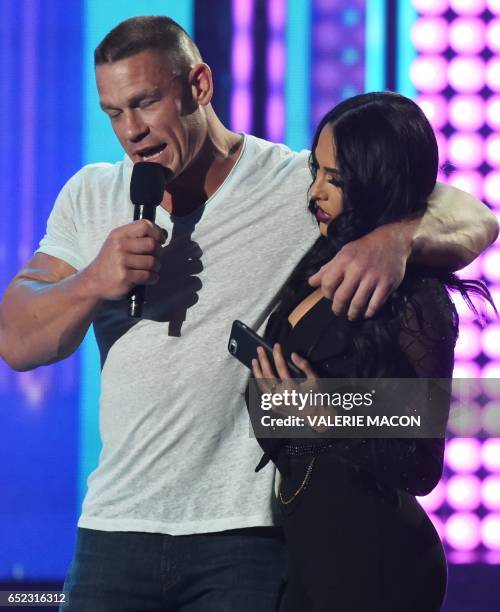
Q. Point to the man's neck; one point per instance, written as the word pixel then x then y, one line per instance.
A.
pixel 193 187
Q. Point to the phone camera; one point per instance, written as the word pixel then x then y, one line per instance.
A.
pixel 233 346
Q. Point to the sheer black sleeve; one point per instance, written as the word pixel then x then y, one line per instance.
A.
pixel 425 345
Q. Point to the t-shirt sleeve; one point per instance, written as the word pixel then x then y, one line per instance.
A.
pixel 60 239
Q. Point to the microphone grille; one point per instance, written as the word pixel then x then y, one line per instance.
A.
pixel 147 184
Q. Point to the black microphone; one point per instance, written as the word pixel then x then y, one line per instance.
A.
pixel 147 187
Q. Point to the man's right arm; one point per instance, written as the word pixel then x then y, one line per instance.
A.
pixel 49 306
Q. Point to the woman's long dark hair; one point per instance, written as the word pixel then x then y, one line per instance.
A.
pixel 388 160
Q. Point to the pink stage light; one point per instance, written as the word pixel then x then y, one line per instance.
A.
pixel 490 492
pixel 492 76
pixel 465 419
pixel 462 531
pixel 465 150
pixel 435 109
pixel 490 531
pixel 492 188
pixel 463 454
pixel 434 499
pixel 490 454
pixel 491 265
pixel 468 7
pixel 493 35
pixel 490 340
pixel 469 181
pixel 468 344
pixel 492 146
pixel 438 524
pixel 466 369
pixel 464 312
pixel 466 112
pixel 491 418
pixel 493 112
pixel 429 73
pixel 473 270
pixel 431 7
pixel 494 6
pixel 466 74
pixel 467 35
pixel 442 144
pixel 430 35
pixel 464 492
pixel 491 371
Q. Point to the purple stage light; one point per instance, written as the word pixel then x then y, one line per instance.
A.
pixel 465 418
pixel 491 265
pixel 470 181
pixel 434 499
pixel 466 74
pixel 491 418
pixel 242 13
pixel 490 340
pixel 493 112
pixel 464 492
pixel 466 369
pixel 276 62
pixel 493 74
pixel 468 344
pixel 442 144
pixel 490 531
pixel 429 73
pixel 276 68
pixel 494 6
pixel 490 454
pixel 465 150
pixel 466 112
pixel 431 7
pixel 462 531
pixel 467 35
pixel 438 524
pixel 492 147
pixel 463 454
pixel 490 492
pixel 435 109
pixel 242 65
pixel 468 7
pixel 492 190
pixel 430 35
pixel 493 35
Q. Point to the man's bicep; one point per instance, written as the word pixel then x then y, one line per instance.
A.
pixel 44 268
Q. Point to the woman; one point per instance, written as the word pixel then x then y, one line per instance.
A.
pixel 357 538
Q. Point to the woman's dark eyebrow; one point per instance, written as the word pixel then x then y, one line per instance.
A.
pixel 335 170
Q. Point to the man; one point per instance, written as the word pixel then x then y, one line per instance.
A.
pixel 175 517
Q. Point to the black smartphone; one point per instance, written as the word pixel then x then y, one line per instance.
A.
pixel 243 343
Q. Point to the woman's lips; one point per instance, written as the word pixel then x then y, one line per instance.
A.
pixel 321 215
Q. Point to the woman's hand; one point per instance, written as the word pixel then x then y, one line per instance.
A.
pixel 270 382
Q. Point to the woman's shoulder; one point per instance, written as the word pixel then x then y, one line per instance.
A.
pixel 424 305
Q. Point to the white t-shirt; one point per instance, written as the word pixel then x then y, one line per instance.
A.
pixel 177 455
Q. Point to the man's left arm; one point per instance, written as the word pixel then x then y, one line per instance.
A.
pixel 454 230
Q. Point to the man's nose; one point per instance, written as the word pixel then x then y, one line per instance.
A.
pixel 135 128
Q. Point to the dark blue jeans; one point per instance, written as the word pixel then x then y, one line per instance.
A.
pixel 242 570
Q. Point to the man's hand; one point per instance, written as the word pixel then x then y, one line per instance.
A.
pixel 363 274
pixel 128 257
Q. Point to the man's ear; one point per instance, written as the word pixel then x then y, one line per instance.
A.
pixel 200 81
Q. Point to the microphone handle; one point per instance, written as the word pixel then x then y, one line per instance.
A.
pixel 136 296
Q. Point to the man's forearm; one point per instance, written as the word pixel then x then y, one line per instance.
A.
pixel 455 229
pixel 41 322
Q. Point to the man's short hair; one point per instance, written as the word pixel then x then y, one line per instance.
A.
pixel 151 33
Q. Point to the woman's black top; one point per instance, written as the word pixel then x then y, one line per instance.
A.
pixel 419 339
